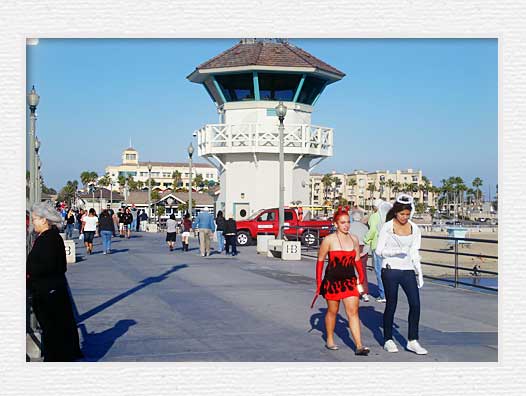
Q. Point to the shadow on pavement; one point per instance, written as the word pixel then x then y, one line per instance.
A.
pixel 369 318
pixel 96 345
pixel 142 284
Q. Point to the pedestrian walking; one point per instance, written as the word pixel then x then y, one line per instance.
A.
pixel 187 228
pixel 107 228
pixel 206 226
pixel 70 223
pixel 134 212
pixel 359 229
pixel 46 281
pixel 220 228
pixel 371 239
pixel 138 226
pixel 144 220
pixel 230 232
pixel 171 232
pixel 120 216
pixel 80 215
pixel 89 226
pixel 398 245
pixel 127 219
pixel 340 282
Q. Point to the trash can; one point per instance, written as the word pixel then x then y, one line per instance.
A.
pixel 262 242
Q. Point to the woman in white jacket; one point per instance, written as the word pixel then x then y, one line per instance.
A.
pixel 398 245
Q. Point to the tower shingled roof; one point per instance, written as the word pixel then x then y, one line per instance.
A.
pixel 263 53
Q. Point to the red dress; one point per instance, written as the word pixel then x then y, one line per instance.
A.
pixel 340 279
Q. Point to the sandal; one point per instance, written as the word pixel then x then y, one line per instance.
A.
pixel 363 351
pixel 332 347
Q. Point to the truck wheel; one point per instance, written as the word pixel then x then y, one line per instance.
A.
pixel 243 238
pixel 309 238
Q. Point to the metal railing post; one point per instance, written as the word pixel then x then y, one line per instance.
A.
pixel 456 262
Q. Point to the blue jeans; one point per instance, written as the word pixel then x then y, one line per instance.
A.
pixel 106 240
pixel 69 231
pixel 220 241
pixel 377 261
pixel 407 279
pixel 134 224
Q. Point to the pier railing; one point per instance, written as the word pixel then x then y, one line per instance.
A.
pixel 452 249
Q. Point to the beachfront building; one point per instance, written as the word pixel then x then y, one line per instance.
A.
pixel 246 84
pixel 162 173
pixel 361 187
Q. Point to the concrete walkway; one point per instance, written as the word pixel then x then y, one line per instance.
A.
pixel 145 303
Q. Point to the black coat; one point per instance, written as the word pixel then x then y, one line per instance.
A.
pixel 230 227
pixel 47 284
pixel 220 223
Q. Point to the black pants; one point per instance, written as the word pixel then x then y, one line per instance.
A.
pixel 230 240
pixel 391 278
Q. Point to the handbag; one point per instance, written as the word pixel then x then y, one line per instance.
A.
pixel 81 237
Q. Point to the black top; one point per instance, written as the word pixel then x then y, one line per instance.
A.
pixel 230 227
pixel 70 219
pixel 46 263
pixel 106 223
pixel 120 215
pixel 127 218
pixel 220 223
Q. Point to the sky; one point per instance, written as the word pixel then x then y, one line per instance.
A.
pixel 429 104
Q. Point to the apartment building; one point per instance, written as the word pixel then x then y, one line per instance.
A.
pixel 355 187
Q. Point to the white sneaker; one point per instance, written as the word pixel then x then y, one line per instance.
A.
pixel 365 297
pixel 381 300
pixel 390 346
pixel 414 346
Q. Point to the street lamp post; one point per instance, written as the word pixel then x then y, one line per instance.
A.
pixel 149 192
pixel 32 101
pixel 281 111
pixel 38 179
pixel 111 194
pixel 190 153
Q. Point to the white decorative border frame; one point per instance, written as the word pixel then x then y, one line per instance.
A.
pixel 255 18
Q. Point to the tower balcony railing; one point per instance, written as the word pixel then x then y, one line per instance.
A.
pixel 303 139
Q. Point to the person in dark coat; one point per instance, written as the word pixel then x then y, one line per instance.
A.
pixel 230 236
pixel 220 228
pixel 47 284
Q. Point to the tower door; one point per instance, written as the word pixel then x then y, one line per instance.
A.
pixel 241 211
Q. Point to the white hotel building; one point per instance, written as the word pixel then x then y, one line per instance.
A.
pixel 162 172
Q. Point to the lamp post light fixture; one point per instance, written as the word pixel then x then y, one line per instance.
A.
pixel 32 101
pixel 281 111
pixel 149 191
pixel 190 153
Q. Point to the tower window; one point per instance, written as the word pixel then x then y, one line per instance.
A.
pixel 310 90
pixel 130 157
pixel 273 86
pixel 236 87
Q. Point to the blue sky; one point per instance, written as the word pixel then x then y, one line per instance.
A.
pixel 429 104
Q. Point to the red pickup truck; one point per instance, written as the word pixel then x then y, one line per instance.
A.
pixel 265 221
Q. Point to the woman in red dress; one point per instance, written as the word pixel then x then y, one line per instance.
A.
pixel 339 282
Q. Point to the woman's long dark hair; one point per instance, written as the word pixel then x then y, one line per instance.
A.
pixel 397 207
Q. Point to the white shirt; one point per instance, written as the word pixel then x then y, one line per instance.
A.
pixel 90 223
pixel 400 252
pixel 170 225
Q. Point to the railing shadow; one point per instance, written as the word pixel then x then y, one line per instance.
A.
pixel 145 282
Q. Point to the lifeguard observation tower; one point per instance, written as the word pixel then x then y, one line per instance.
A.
pixel 246 83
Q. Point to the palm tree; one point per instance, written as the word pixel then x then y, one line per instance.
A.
pixel 177 178
pixel 352 183
pixel 197 181
pixel 337 183
pixel 68 192
pixel 327 181
pixel 477 183
pixel 105 180
pixel 88 177
pixel 390 184
pixel 397 186
pixel 371 188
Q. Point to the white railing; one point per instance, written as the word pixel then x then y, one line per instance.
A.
pixel 236 138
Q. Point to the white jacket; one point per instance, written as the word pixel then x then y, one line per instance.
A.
pixel 389 248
